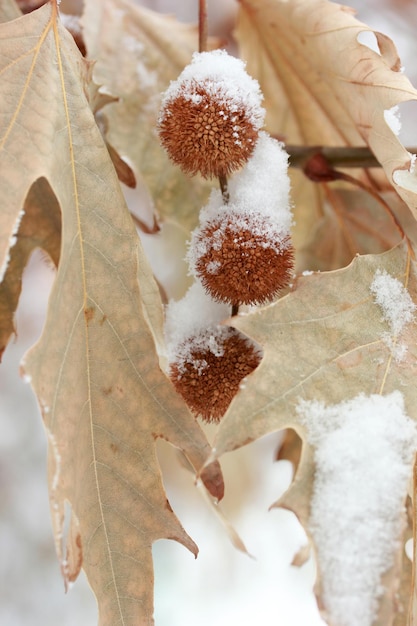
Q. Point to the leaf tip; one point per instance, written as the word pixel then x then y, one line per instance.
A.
pixel 211 475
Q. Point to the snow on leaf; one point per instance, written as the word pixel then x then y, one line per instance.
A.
pixel 397 309
pixel 358 442
pixel 394 300
pixel 137 53
pixel 95 369
pixel 324 342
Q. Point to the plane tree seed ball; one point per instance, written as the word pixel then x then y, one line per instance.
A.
pixel 209 368
pixel 242 259
pixel 211 115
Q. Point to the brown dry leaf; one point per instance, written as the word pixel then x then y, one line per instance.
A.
pixel 137 53
pixel 323 87
pixel 290 448
pixel 354 223
pixel 329 333
pixel 40 227
pixel 95 369
pixel 404 589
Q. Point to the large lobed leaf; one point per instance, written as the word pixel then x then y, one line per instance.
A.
pixel 317 98
pixel 323 87
pixel 325 341
pixel 95 370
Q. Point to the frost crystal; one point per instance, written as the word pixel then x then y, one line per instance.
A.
pixel 394 300
pixel 364 450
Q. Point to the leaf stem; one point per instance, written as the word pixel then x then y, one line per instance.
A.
pixel 202 25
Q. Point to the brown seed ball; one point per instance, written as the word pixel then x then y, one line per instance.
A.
pixel 243 260
pixel 203 135
pixel 211 116
pixel 209 369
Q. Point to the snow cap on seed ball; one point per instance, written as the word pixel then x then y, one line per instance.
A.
pixel 211 115
pixel 242 251
pixel 195 312
pixel 263 185
pixel 260 189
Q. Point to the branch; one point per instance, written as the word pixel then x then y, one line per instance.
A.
pixel 335 157
pixel 318 168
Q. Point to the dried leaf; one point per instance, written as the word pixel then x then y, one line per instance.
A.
pixel 95 369
pixel 228 527
pixel 405 585
pixel 354 223
pixel 124 172
pixel 330 334
pixel 290 448
pixel 323 87
pixel 40 227
pixel 213 504
pixel 302 556
pixel 138 52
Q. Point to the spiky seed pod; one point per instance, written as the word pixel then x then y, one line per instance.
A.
pixel 211 116
pixel 242 259
pixel 210 367
pixel 199 137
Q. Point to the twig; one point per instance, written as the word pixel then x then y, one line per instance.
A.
pixel 224 189
pixel 347 157
pixel 202 25
pixel 226 198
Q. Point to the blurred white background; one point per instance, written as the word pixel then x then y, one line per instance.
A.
pixel 223 587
